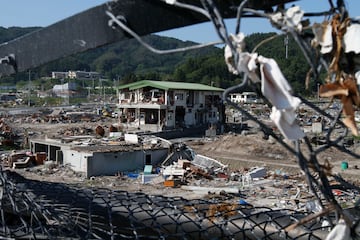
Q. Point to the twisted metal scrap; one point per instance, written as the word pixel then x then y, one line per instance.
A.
pixel 43 210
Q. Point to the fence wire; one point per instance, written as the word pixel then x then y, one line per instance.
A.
pixel 254 69
pixel 42 210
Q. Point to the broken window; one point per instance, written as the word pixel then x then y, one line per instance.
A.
pixel 148 159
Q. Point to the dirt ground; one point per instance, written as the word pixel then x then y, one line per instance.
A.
pixel 244 151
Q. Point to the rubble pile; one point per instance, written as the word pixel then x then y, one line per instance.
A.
pixel 256 183
pixel 73 131
pixel 245 168
pixel 7 135
pixel 256 186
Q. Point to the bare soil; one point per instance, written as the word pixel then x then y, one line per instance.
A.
pixel 246 151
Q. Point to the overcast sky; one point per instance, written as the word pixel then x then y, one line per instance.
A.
pixel 29 13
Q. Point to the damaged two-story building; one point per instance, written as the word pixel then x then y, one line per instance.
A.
pixel 161 105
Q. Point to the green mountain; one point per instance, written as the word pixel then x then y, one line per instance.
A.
pixel 124 60
pixel 8 34
pixel 129 61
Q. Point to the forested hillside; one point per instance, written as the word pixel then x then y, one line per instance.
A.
pixel 128 61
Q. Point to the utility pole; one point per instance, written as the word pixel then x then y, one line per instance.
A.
pixel 29 88
pixel 103 87
pixel 286 42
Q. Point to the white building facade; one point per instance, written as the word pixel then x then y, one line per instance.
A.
pixel 160 105
pixel 75 75
pixel 245 97
pixel 65 90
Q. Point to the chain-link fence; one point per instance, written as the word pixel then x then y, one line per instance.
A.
pixel 34 209
pixel 43 210
pixel 328 48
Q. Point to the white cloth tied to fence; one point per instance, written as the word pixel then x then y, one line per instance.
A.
pixel 277 90
pixel 340 232
pixel 274 87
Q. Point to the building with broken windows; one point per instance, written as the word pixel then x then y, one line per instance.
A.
pixel 159 105
pixel 93 157
pixel 244 97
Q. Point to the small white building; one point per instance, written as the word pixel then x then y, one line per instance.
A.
pixel 76 75
pixel 65 90
pixel 245 97
pixel 83 75
pixel 100 158
pixel 59 75
pixel 158 105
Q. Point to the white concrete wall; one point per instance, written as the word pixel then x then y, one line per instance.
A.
pixel 113 162
pixel 76 160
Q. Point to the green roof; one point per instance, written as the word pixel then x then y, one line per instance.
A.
pixel 167 85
